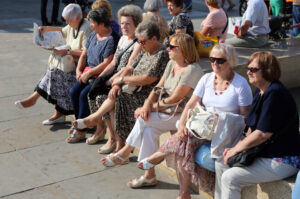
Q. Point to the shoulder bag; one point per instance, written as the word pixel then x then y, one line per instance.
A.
pixel 201 123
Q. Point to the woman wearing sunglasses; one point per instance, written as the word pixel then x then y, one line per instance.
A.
pixel 179 79
pixel 222 89
pixel 273 121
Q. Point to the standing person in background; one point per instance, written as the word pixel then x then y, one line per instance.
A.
pixel 276 7
pixel 296 18
pixel 55 10
pixel 231 5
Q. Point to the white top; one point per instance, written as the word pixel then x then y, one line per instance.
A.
pixel 237 94
pixel 257 13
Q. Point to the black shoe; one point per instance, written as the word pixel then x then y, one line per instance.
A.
pixel 56 23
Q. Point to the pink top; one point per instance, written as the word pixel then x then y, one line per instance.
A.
pixel 217 21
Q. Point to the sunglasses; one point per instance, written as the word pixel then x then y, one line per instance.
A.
pixel 142 42
pixel 219 60
pixel 170 46
pixel 252 69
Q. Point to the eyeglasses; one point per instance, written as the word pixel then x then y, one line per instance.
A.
pixel 142 42
pixel 252 69
pixel 170 46
pixel 219 60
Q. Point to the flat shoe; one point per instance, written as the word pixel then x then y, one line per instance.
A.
pixel 110 163
pixel 146 165
pixel 142 182
pixel 75 138
pixel 103 150
pixel 19 105
pixel 80 124
pixel 61 119
pixel 95 139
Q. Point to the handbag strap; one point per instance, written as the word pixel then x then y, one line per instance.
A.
pixel 226 24
pixel 161 91
pixel 123 51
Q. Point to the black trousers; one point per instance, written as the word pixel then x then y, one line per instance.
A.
pixel 55 10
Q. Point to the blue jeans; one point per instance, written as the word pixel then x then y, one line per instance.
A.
pixel 296 20
pixel 79 99
pixel 296 189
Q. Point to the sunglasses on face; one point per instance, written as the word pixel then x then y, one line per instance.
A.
pixel 219 60
pixel 252 69
pixel 142 42
pixel 170 46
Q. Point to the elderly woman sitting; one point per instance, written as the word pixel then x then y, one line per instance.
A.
pixel 180 78
pixel 222 89
pixel 129 16
pixel 215 22
pixel 55 84
pixel 271 124
pixel 96 56
pixel 144 73
pixel 181 22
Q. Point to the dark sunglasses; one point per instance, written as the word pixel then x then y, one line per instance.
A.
pixel 219 60
pixel 142 42
pixel 252 69
pixel 171 46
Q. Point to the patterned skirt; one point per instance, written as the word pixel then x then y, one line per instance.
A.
pixel 54 86
pixel 205 179
pixel 125 107
pixel 96 104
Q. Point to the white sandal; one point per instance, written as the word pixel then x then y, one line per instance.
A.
pixel 146 164
pixel 142 182
pixel 110 163
pixel 80 124
pixel 19 105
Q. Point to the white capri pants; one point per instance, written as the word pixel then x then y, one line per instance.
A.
pixel 229 181
pixel 145 134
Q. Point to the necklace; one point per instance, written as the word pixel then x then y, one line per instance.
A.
pixel 227 83
pixel 75 36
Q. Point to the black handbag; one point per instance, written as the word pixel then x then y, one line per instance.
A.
pixel 247 157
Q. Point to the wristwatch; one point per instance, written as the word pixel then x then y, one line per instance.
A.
pixel 68 51
pixel 121 80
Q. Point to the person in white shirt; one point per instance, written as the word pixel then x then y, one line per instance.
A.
pixel 254 31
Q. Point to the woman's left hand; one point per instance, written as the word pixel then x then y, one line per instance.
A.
pixel 84 77
pixel 228 153
pixel 116 81
pixel 61 53
pixel 143 112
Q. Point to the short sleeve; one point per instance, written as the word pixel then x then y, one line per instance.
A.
pixel 191 76
pixel 200 88
pixel 110 48
pixel 209 21
pixel 272 114
pixel 252 12
pixel 245 94
pixel 158 65
pixel 85 36
pixel 182 22
pixel 89 40
pixel 65 30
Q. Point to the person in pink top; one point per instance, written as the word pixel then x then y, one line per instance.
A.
pixel 215 22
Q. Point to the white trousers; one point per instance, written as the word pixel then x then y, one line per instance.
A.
pixel 229 181
pixel 145 134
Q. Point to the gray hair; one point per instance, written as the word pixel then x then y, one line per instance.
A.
pixel 148 29
pixel 153 5
pixel 132 11
pixel 72 11
pixel 228 51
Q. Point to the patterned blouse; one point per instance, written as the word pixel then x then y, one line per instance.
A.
pixel 181 21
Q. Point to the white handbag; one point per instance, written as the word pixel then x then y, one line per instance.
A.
pixel 65 63
pixel 201 123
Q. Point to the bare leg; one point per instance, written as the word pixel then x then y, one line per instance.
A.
pixel 94 118
pixel 183 179
pixel 100 127
pixel 56 115
pixel 112 137
pixel 31 100
pixel 156 158
pixel 119 143
pixel 124 153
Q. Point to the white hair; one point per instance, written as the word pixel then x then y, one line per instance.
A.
pixel 72 11
pixel 228 51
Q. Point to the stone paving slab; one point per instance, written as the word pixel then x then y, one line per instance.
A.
pixel 18 174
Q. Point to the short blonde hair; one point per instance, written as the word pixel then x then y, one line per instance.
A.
pixel 132 11
pixel 227 51
pixel 103 4
pixel 187 47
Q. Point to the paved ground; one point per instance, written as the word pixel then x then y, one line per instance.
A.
pixel 35 161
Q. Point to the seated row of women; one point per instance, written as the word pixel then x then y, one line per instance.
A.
pixel 115 78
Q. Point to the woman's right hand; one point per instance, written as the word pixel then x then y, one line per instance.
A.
pixel 143 112
pixel 182 132
pixel 114 92
pixel 78 76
